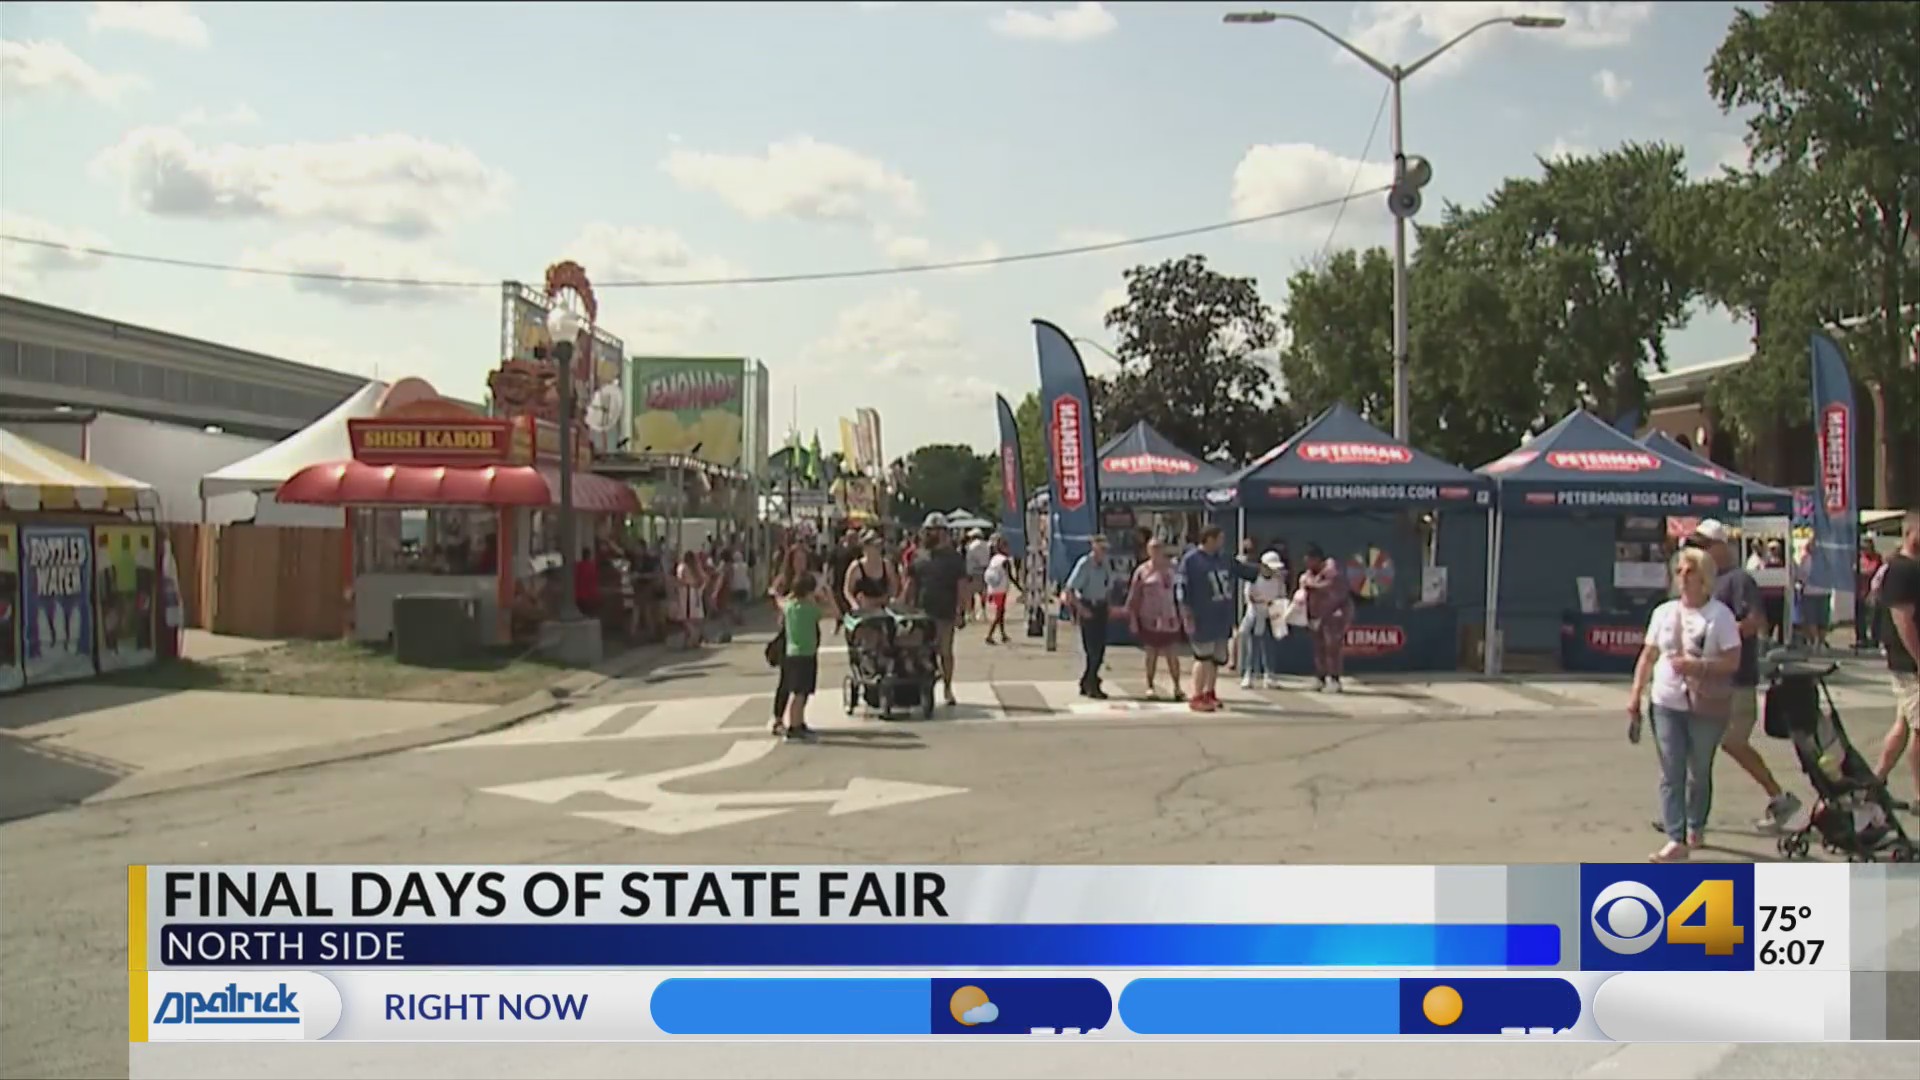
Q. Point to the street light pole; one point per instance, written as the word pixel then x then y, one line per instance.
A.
pixel 1404 200
pixel 563 328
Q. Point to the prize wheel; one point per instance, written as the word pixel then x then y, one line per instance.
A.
pixel 1370 575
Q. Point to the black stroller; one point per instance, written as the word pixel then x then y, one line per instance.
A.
pixel 893 664
pixel 1853 814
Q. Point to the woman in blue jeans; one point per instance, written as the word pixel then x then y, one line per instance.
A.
pixel 1693 647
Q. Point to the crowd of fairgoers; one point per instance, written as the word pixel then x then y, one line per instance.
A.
pixel 1696 685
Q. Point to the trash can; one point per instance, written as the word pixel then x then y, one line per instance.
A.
pixel 435 629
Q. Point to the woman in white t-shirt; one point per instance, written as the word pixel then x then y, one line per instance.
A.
pixel 1692 649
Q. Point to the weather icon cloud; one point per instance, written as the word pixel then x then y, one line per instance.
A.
pixel 981 1014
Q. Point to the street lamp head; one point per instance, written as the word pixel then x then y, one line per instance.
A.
pixel 564 324
pixel 1246 17
pixel 1539 22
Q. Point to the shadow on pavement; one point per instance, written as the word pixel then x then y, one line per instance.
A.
pixel 35 781
pixel 869 740
pixel 38 705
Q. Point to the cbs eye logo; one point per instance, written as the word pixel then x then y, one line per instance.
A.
pixel 1627 916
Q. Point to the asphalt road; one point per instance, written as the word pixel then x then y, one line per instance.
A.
pixel 1012 782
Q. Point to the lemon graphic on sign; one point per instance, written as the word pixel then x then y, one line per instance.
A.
pixel 969 1006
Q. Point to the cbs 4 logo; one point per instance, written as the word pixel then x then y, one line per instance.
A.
pixel 1627 918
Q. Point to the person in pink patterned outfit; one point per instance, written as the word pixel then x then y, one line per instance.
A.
pixel 1155 615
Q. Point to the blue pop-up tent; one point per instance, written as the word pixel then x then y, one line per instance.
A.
pixel 1549 489
pixel 1339 461
pixel 1758 499
pixel 1142 468
pixel 1585 463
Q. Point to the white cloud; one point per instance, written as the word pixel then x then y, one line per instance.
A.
pixel 26 264
pixel 800 177
pixel 901 249
pixel 1563 148
pixel 36 67
pixel 1089 237
pixel 658 331
pixel 1275 177
pixel 357 254
pixel 1612 86
pixel 241 115
pixel 397 184
pixel 1402 31
pixel 170 22
pixel 1081 22
pixel 1111 297
pixel 897 333
pixel 642 253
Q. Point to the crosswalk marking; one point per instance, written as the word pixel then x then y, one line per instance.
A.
pixel 732 715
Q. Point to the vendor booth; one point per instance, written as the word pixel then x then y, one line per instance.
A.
pixel 1764 526
pixel 1408 528
pixel 1581 551
pixel 80 574
pixel 1148 486
pixel 444 500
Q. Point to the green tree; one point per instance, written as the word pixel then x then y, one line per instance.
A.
pixel 1551 296
pixel 1188 344
pixel 942 476
pixel 1758 264
pixel 1834 89
pixel 1033 442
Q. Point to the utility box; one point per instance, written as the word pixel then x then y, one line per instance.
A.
pixel 435 629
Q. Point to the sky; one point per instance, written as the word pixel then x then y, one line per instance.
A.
pixel 661 142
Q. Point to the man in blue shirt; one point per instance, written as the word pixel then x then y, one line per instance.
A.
pixel 1205 591
pixel 1090 591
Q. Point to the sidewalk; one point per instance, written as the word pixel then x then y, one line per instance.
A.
pixel 91 742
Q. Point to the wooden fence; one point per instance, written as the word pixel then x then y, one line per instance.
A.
pixel 260 581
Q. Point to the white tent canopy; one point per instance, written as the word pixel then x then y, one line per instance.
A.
pixel 323 440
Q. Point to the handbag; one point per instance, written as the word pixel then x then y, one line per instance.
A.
pixel 1297 609
pixel 1711 696
pixel 777 648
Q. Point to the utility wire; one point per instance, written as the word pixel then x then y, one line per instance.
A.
pixel 758 279
pixel 1358 167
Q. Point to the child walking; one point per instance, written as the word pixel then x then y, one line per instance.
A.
pixel 800 614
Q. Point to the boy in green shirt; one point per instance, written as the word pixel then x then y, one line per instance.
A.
pixel 800 615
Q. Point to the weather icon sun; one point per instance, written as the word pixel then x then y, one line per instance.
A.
pixel 970 1007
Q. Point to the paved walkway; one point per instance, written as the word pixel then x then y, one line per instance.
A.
pixel 67 744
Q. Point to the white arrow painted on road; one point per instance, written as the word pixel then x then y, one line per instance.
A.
pixel 673 813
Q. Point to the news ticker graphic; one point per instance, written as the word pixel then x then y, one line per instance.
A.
pixel 1727 952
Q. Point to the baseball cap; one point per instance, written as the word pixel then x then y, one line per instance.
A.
pixel 1713 532
pixel 935 520
pixel 1272 560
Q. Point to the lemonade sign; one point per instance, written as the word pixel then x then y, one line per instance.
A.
pixel 690 406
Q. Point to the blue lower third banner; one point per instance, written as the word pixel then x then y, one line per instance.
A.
pixel 918 945
pixel 992 1006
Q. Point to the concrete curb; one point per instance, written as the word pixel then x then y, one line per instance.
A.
pixel 573 684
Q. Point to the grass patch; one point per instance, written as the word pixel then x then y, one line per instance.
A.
pixel 348 669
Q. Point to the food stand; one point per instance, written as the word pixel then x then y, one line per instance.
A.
pixel 445 500
pixel 1553 492
pixel 1376 505
pixel 79 573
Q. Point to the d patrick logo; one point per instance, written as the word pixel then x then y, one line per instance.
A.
pixel 204 1006
pixel 1069 472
